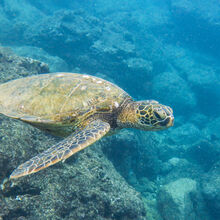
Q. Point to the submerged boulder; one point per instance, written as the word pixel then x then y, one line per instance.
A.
pixel 56 63
pixel 206 10
pixel 211 190
pixel 211 131
pixel 180 200
pixel 13 66
pixel 85 187
pixel 186 134
pixel 173 90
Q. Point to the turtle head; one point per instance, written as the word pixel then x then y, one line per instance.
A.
pixel 152 115
pixel 147 115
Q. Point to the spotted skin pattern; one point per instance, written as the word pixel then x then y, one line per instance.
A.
pixel 64 149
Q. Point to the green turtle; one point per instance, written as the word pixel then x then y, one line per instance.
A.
pixel 81 108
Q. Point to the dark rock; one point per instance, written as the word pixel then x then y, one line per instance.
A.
pixel 180 200
pixel 203 79
pixel 13 66
pixel 173 90
pixel 174 163
pixel 212 129
pixel 86 187
pixel 196 23
pixel 56 63
pixel 73 33
pixel 211 190
pixel 176 168
pixel 205 153
pixel 208 10
pixel 199 119
pixel 201 73
pixel 138 154
pixel 16 16
pixel 186 134
pixel 4 165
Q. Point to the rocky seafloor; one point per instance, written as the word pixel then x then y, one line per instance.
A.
pixel 169 51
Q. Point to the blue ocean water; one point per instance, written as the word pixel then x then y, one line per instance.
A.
pixel 166 50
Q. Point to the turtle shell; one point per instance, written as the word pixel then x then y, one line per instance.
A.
pixel 59 100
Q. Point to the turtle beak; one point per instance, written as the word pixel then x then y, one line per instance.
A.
pixel 170 123
pixel 170 118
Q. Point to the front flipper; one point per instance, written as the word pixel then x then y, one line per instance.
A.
pixel 64 149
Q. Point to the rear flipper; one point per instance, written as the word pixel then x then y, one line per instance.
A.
pixel 64 149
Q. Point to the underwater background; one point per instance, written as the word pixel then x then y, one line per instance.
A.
pixel 167 50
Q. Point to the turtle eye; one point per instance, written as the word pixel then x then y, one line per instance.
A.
pixel 157 115
pixel 160 114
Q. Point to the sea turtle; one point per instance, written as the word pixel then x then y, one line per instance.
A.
pixel 81 108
